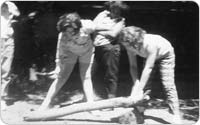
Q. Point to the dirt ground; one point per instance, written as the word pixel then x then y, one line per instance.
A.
pixel 27 96
pixel 156 112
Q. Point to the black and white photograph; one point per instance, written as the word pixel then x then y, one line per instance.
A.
pixel 99 62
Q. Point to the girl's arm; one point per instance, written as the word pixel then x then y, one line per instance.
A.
pixel 114 31
pixel 137 93
pixel 133 70
pixel 133 65
pixel 98 20
pixel 99 26
pixel 149 64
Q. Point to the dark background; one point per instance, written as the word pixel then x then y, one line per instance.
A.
pixel 36 38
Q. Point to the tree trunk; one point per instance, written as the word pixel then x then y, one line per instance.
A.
pixel 76 108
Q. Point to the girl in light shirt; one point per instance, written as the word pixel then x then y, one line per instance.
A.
pixel 74 44
pixel 156 50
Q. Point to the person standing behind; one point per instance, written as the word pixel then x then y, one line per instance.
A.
pixel 8 11
pixel 74 44
pixel 107 52
pixel 156 50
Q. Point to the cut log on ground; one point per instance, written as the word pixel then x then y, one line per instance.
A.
pixel 81 107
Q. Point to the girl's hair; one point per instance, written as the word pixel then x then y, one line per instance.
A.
pixel 121 6
pixel 132 35
pixel 116 4
pixel 69 20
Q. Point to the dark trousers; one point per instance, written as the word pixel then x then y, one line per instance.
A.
pixel 108 56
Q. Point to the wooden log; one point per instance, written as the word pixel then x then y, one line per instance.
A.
pixel 81 107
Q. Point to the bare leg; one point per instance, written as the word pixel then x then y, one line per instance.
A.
pixel 66 69
pixel 85 67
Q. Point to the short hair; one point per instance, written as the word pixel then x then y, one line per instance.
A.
pixel 132 35
pixel 120 5
pixel 69 19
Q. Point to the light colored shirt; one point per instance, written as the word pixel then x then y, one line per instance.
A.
pixel 79 43
pixel 156 41
pixel 104 20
